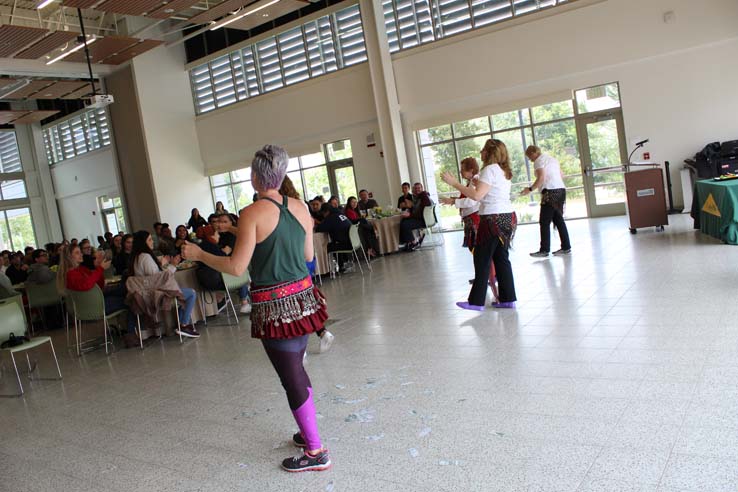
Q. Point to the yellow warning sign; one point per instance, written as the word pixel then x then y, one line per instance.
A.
pixel 710 206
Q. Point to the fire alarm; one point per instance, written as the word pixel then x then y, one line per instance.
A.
pixel 646 156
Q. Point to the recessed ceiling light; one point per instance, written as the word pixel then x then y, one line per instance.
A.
pixel 48 95
pixel 265 15
pixel 168 11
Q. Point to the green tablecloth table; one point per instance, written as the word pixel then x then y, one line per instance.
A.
pixel 718 209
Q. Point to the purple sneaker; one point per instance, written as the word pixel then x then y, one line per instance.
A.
pixel 504 305
pixel 470 307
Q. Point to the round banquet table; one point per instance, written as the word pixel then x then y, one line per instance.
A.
pixel 320 245
pixel 388 233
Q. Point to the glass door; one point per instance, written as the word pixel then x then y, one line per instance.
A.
pixel 342 180
pixel 603 151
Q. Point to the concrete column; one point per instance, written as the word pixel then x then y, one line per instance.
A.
pixel 385 94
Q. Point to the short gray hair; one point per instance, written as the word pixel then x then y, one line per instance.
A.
pixel 270 166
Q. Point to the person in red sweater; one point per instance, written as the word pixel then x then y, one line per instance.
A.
pixel 72 275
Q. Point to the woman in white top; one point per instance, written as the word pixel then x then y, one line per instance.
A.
pixel 497 224
pixel 550 181
pixel 469 211
pixel 143 263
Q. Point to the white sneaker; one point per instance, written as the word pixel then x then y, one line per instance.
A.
pixel 245 308
pixel 326 341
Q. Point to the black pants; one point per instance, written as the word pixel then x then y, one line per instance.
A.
pixel 286 357
pixel 407 226
pixel 549 214
pixel 484 254
pixel 336 246
pixel 368 236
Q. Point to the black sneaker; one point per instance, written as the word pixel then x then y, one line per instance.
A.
pixel 562 252
pixel 306 462
pixel 540 254
pixel 298 440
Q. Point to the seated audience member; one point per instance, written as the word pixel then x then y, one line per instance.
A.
pixel 405 202
pixel 226 240
pixel 143 263
pixel 121 260
pixel 220 208
pixel 414 219
pixel 50 249
pixel 28 255
pixel 108 240
pixel 337 226
pixel 212 280
pixel 315 210
pixel 88 258
pixel 366 203
pixel 75 277
pixel 55 254
pixel 5 261
pixel 207 231
pixel 333 202
pixel 367 234
pixel 6 287
pixel 17 271
pixel 166 241
pixel 196 221
pixel 180 237
pixel 39 272
pixel 320 199
pixel 74 242
pixel 101 243
pixel 351 210
pixel 116 245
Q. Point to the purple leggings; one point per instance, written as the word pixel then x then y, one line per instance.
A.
pixel 286 357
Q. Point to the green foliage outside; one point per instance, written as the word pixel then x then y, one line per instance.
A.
pixel 21 228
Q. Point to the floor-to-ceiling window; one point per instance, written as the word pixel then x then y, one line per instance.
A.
pixel 327 172
pixel 16 224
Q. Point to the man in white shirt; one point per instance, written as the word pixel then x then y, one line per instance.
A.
pixel 549 179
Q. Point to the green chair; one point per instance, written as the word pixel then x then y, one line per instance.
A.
pixel 355 246
pixel 232 283
pixel 19 301
pixel 90 306
pixel 14 322
pixel 41 296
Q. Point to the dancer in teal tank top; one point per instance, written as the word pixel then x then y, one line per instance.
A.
pixel 275 240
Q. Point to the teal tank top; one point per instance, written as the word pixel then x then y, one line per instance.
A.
pixel 281 256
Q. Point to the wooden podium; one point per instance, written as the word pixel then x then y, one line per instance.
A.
pixel 646 198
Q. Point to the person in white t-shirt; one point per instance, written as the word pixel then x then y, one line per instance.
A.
pixel 549 180
pixel 497 224
pixel 469 211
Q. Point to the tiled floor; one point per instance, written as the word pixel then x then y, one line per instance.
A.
pixel 616 373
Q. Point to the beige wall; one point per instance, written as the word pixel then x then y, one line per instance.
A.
pixel 78 183
pixel 300 118
pixel 168 123
pixel 677 79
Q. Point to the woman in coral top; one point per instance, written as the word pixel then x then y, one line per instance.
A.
pixel 72 275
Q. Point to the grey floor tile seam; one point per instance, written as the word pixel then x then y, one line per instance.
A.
pixel 684 418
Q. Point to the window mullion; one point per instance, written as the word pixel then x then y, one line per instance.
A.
pixel 257 69
pixel 471 15
pixel 307 52
pixel 397 24
pixel 277 44
pixel 336 42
